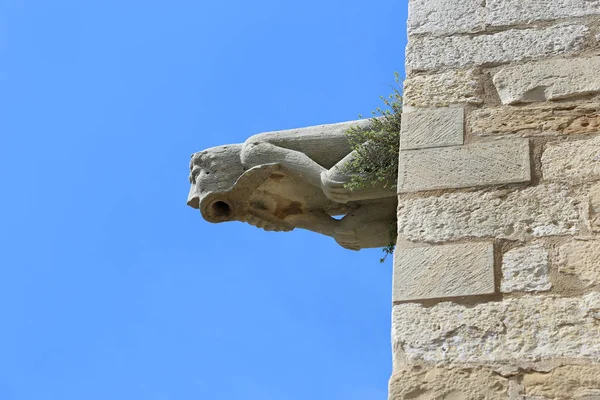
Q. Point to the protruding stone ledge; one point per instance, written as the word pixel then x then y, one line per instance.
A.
pixel 431 272
pixel 427 53
pixel 477 164
pixel 446 88
pixel 548 80
pixel 436 127
pixel 573 162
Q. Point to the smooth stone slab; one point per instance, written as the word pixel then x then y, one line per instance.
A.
pixel 432 272
pixel 443 89
pixel 574 161
pixel 525 269
pixel 445 17
pixel 548 80
pixel 432 128
pixel 433 53
pixel 477 164
pixel 512 12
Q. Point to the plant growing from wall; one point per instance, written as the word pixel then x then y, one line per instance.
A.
pixel 376 149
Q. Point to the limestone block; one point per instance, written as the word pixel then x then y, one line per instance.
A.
pixel 574 161
pixel 446 88
pixel 510 12
pixel 431 53
pixel 538 211
pixel 553 119
pixel 443 271
pixel 447 383
pixel 515 332
pixel 595 208
pixel 477 164
pixel 432 128
pixel 571 382
pixel 582 259
pixel 445 17
pixel 548 80
pixel 525 269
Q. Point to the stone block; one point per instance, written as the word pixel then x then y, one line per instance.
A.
pixel 548 119
pixel 515 12
pixel 453 270
pixel 582 259
pixel 477 164
pixel 544 210
pixel 525 269
pixel 432 128
pixel 420 383
pixel 573 161
pixel 595 208
pixel 445 17
pixel 548 80
pixel 444 89
pixel 515 332
pixel 572 382
pixel 432 53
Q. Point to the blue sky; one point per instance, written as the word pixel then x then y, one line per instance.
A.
pixel 111 287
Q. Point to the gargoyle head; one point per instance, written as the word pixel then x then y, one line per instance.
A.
pixel 213 173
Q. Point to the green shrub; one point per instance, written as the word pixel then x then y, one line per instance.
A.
pixel 376 151
pixel 376 147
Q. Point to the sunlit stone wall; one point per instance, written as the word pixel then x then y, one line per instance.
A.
pixel 497 268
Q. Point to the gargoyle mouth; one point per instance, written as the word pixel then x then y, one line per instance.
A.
pixel 221 209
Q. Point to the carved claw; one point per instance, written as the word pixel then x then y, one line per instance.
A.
pixel 347 238
pixel 259 222
pixel 334 190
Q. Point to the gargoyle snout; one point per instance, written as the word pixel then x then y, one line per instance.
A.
pixel 193 199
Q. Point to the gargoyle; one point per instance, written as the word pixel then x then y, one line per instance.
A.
pixel 290 179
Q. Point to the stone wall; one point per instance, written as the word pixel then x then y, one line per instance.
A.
pixel 497 268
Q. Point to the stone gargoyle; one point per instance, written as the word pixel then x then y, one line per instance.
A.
pixel 290 179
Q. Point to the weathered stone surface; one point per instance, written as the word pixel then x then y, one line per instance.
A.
pixel 548 80
pixel 443 271
pixel 573 161
pixel 290 179
pixel 444 89
pixel 595 208
pixel 448 384
pixel 538 211
pixel 572 382
pixel 432 128
pixel 525 269
pixel 513 332
pixel 428 53
pixel 510 12
pixel 477 164
pixel 445 17
pixel 582 259
pixel 556 119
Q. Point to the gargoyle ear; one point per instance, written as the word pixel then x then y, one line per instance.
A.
pixel 197 158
